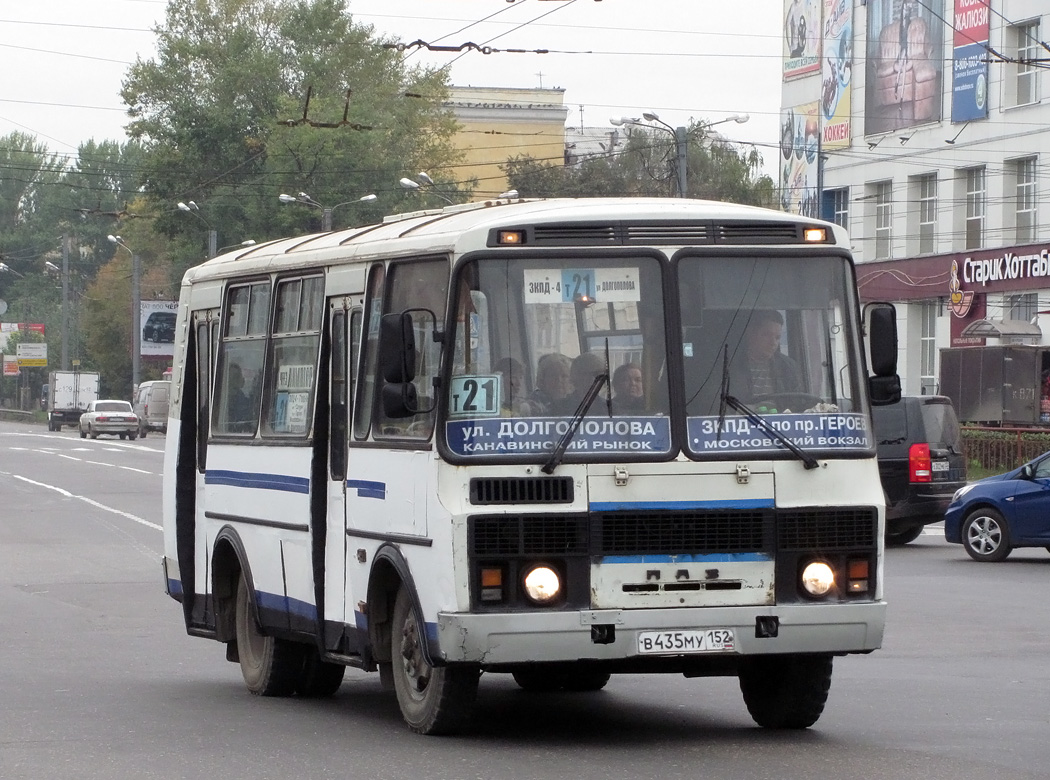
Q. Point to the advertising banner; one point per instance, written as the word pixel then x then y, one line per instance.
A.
pixel 157 320
pixel 970 61
pixel 799 159
pixel 836 74
pixel 904 64
pixel 801 37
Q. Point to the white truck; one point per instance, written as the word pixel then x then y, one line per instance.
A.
pixel 69 393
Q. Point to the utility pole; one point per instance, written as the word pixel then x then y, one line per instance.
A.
pixel 681 140
pixel 136 321
pixel 65 302
pixel 213 243
pixel 326 221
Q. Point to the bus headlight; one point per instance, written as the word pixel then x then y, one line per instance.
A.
pixel 542 584
pixel 818 578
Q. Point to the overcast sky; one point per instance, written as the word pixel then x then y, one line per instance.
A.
pixel 63 60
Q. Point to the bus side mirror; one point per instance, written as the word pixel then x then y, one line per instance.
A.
pixel 400 400
pixel 397 348
pixel 884 386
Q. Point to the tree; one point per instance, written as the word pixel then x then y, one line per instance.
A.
pixel 646 166
pixel 223 116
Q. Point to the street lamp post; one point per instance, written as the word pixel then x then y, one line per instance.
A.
pixel 681 138
pixel 213 235
pixel 136 314
pixel 326 211
pixel 423 176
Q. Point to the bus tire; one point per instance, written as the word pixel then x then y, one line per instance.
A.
pixel 587 681
pixel 318 679
pixel 786 691
pixel 270 666
pixel 538 680
pixel 433 699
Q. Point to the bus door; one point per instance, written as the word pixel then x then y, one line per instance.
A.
pixel 205 348
pixel 344 319
pixel 390 467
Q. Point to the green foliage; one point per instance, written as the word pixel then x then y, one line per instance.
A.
pixel 222 112
pixel 994 451
pixel 646 166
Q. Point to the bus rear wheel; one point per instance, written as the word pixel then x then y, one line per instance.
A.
pixel 318 679
pixel 270 666
pixel 433 699
pixel 786 691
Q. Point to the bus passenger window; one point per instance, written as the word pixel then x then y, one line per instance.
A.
pixel 240 365
pixel 294 350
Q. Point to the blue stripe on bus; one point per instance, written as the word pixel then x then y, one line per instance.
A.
pixel 247 479
pixel 747 503
pixel 367 489
pixel 689 558
pixel 280 603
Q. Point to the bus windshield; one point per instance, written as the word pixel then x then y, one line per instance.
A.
pixel 776 334
pixel 531 336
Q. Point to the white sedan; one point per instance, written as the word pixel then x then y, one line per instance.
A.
pixel 112 417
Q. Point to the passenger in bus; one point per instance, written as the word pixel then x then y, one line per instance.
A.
pixel 628 389
pixel 240 409
pixel 766 369
pixel 514 402
pixel 552 383
pixel 582 373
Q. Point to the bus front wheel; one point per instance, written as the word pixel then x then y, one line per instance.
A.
pixel 786 691
pixel 433 699
pixel 270 666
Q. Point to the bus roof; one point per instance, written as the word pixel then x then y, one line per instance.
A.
pixel 466 227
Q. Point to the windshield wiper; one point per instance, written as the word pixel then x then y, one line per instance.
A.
pixel 807 460
pixel 723 393
pixel 574 424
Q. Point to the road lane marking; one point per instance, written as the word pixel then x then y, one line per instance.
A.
pixel 82 460
pixel 86 500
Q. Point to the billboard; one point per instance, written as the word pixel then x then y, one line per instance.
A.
pixel 800 159
pixel 157 327
pixel 836 74
pixel 970 61
pixel 801 37
pixel 904 64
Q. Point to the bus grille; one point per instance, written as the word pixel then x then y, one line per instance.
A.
pixel 669 532
pixel 521 490
pixel 827 529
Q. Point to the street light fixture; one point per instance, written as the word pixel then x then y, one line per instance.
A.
pixel 5 268
pixel 213 236
pixel 423 176
pixel 680 136
pixel 136 313
pixel 326 211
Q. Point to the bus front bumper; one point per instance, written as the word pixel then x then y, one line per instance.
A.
pixel 510 638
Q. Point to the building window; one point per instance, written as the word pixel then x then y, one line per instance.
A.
pixel 840 207
pixel 975 207
pixel 1024 173
pixel 883 219
pixel 1022 306
pixel 1027 48
pixel 928 348
pixel 927 212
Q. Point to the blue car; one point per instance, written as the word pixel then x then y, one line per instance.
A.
pixel 992 516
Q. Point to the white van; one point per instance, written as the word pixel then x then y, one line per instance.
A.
pixel 151 405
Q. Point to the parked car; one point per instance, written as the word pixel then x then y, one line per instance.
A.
pixel 151 406
pixel 160 326
pixel 921 462
pixel 992 516
pixel 109 417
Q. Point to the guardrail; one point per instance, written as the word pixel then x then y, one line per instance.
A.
pixel 996 450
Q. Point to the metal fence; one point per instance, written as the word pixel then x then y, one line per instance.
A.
pixel 995 450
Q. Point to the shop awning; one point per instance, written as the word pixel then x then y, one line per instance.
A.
pixel 994 329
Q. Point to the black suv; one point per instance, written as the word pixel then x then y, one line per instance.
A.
pixel 921 462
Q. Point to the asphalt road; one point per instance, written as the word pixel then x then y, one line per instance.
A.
pixel 99 680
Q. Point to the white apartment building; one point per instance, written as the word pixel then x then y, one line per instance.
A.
pixel 923 127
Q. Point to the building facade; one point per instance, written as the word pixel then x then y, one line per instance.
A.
pixel 920 126
pixel 502 122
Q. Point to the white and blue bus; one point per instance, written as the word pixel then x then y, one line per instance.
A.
pixel 532 438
